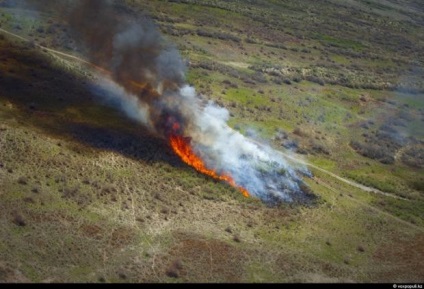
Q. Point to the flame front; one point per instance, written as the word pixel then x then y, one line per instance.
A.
pixel 183 149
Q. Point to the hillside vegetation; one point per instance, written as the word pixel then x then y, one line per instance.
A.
pixel 87 195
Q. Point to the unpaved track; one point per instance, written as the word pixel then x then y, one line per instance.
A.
pixel 377 210
pixel 347 181
pixel 56 51
pixel 296 160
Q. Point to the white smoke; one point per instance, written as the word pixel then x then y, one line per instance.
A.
pixel 147 83
pixel 253 166
pixel 256 167
pixel 111 94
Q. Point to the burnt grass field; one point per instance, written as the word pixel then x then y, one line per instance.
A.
pixel 89 195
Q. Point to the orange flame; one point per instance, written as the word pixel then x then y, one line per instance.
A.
pixel 183 149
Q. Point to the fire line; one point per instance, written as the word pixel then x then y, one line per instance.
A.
pixel 178 143
pixel 183 149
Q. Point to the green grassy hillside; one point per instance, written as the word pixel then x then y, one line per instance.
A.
pixel 87 195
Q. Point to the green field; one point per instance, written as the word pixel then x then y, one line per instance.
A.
pixel 88 195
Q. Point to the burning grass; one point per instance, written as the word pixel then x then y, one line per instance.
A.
pixel 182 148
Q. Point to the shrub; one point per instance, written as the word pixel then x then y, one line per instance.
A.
pixel 297 131
pixel 250 40
pixel 320 149
pixel 414 157
pixel 23 180
pixel 374 151
pixel 360 248
pixel 173 270
pixel 19 220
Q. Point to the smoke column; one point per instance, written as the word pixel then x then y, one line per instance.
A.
pixel 147 81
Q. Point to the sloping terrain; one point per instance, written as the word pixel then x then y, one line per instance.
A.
pixel 87 195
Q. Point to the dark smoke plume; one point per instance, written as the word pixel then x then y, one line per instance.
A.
pixel 128 46
pixel 147 79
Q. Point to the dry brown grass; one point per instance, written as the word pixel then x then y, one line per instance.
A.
pixel 10 275
pixel 400 260
pixel 134 213
pixel 207 260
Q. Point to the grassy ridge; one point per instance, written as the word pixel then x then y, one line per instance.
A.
pixel 88 195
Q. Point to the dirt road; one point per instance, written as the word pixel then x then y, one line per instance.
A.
pixel 287 156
